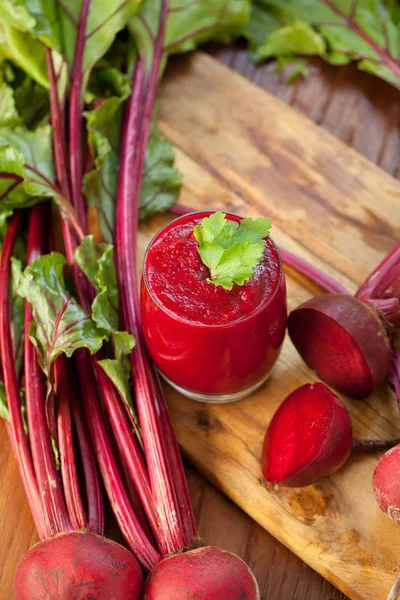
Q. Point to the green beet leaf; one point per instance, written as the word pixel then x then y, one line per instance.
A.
pixel 97 262
pixel 107 81
pixel 60 324
pixel 31 101
pixel 340 31
pixel 18 45
pixel 9 116
pixel 231 251
pixel 27 170
pixel 161 182
pixel 100 184
pixel 56 25
pixel 26 167
pixel 189 24
pixel 35 159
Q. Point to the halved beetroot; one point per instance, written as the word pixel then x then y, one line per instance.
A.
pixel 309 437
pixel 344 340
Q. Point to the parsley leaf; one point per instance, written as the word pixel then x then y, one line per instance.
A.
pixel 229 250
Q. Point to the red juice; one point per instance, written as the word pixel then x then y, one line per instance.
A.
pixel 212 344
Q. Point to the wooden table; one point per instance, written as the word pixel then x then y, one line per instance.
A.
pixel 364 112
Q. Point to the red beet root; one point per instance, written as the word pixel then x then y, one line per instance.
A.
pixel 204 574
pixel 386 489
pixel 386 483
pixel 78 566
pixel 344 340
pixel 309 437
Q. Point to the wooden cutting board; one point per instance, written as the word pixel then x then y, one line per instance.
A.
pixel 241 149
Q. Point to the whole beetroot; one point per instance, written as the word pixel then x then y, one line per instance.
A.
pixel 204 574
pixel 78 566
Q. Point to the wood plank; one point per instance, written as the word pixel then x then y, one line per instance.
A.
pixel 340 99
pixel 242 149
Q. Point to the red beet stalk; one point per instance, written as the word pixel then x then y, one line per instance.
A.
pixel 48 483
pixel 69 472
pixel 206 572
pixel 88 367
pixel 15 429
pixel 177 521
pixel 93 562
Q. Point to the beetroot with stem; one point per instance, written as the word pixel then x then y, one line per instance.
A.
pixel 15 429
pixel 65 563
pixel 88 369
pixel 310 437
pixel 166 472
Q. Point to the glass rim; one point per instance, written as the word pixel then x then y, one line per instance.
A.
pixel 197 323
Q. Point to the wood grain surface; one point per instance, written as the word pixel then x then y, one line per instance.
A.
pixel 364 113
pixel 361 110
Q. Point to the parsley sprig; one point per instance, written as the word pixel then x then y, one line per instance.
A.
pixel 229 250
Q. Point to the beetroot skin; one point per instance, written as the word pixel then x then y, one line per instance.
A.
pixel 386 483
pixel 310 436
pixel 344 341
pixel 78 566
pixel 204 574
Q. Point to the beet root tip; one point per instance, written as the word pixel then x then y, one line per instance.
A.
pixel 205 574
pixel 79 566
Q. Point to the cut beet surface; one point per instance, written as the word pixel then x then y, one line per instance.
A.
pixel 344 341
pixel 309 437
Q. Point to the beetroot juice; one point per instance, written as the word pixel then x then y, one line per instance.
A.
pixel 210 343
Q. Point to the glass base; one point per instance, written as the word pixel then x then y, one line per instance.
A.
pixel 215 398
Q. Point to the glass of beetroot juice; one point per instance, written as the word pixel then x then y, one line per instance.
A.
pixel 211 344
